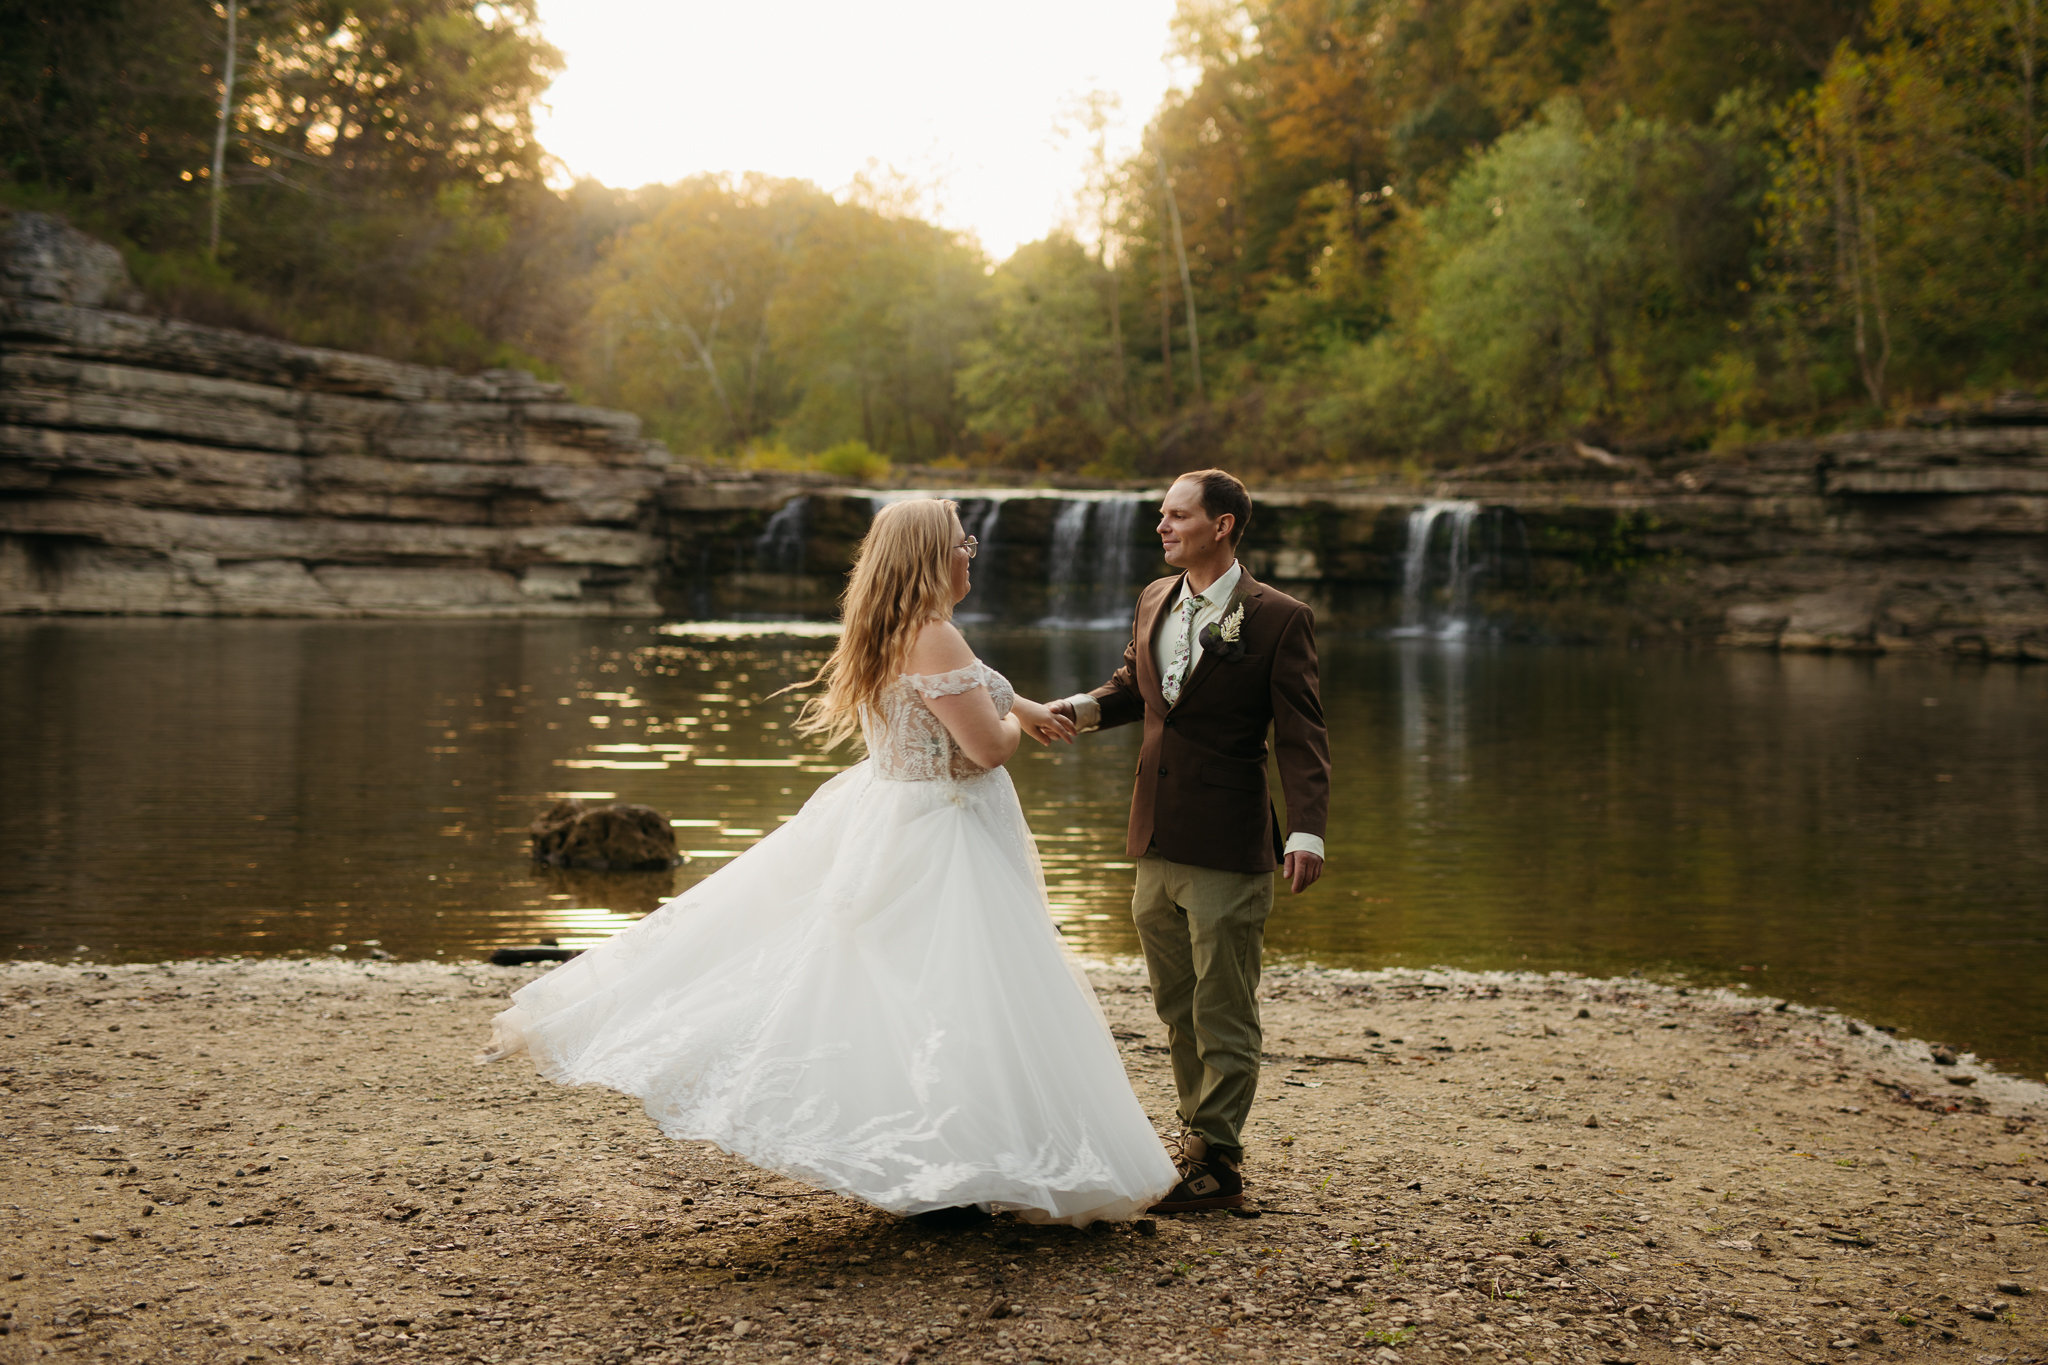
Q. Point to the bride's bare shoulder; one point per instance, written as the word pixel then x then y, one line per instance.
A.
pixel 939 648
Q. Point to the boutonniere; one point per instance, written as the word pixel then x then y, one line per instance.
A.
pixel 1222 636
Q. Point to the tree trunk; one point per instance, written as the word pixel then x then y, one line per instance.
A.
pixel 1187 284
pixel 1116 344
pixel 220 138
pixel 1165 330
pixel 2027 18
pixel 1866 244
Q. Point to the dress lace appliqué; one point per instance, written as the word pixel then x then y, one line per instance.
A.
pixel 909 743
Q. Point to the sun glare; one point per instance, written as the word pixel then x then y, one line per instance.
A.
pixel 954 110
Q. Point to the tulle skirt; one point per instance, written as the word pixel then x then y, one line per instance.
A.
pixel 872 1000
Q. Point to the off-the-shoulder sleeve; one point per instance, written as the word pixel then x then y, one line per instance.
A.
pixel 950 684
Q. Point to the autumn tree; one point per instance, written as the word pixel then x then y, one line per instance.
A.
pixel 1041 379
pixel 1913 199
pixel 385 187
pixel 749 310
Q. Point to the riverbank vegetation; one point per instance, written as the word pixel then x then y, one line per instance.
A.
pixel 1367 233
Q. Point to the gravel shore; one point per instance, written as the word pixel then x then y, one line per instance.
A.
pixel 253 1159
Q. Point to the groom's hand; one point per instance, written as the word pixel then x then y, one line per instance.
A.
pixel 1301 870
pixel 1063 708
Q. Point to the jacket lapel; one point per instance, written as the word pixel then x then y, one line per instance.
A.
pixel 1248 595
pixel 1149 611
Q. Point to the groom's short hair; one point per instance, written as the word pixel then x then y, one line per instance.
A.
pixel 1223 492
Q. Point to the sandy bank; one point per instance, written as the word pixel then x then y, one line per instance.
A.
pixel 245 1160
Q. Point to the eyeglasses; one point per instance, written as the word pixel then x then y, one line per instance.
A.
pixel 971 545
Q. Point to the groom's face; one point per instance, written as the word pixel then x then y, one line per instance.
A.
pixel 1188 535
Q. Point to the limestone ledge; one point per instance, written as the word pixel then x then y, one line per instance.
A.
pixel 115 580
pixel 120 468
pixel 151 465
pixel 1913 541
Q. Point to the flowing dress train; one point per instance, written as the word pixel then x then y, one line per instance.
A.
pixel 873 999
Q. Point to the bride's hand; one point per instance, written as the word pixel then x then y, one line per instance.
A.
pixel 1041 723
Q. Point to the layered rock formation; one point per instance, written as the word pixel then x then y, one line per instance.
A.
pixel 149 466
pixel 1928 539
pixel 153 466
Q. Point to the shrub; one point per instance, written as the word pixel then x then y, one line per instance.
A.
pixel 852 460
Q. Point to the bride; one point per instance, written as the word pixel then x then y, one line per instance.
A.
pixel 873 999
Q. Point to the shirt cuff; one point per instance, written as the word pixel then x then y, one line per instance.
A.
pixel 1087 711
pixel 1305 843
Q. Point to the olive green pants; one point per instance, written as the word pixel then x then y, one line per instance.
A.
pixel 1203 930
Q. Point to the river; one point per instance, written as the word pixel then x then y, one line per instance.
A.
pixel 1870 835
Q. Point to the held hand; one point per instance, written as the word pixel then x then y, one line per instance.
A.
pixel 1043 723
pixel 1061 708
pixel 1301 870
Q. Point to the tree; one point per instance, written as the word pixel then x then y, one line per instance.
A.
pixel 751 310
pixel 685 311
pixel 383 161
pixel 1042 378
pixel 1569 284
pixel 108 103
pixel 417 94
pixel 1912 199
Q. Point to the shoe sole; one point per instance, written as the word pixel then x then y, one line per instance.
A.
pixel 1221 1201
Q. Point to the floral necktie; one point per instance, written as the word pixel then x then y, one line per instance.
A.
pixel 1183 650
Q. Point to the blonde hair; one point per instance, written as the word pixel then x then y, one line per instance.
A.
pixel 902 578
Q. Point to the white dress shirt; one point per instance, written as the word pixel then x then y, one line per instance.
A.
pixel 1173 626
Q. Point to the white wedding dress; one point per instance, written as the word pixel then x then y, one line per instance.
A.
pixel 872 1000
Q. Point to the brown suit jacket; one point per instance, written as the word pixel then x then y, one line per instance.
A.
pixel 1201 795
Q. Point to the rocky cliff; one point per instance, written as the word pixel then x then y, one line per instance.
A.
pixel 151 466
pixel 1931 538
pixel 154 466
pixel 1927 538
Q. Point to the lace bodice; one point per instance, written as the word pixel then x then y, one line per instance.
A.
pixel 908 743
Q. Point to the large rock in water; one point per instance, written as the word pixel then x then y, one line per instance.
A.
pixel 149 465
pixel 604 838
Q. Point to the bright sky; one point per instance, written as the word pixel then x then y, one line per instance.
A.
pixel 963 97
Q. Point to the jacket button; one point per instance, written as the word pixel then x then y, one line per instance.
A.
pixel 1169 722
pixel 1162 772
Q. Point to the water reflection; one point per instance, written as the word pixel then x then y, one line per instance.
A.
pixel 595 905
pixel 1870 834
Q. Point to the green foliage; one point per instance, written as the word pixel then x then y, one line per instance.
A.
pixel 741 311
pixel 853 460
pixel 1407 234
pixel 382 186
pixel 1044 363
pixel 1613 550
pixel 1572 281
pixel 847 460
pixel 1911 203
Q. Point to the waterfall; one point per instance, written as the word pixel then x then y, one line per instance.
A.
pixel 1116 518
pixel 780 546
pixel 1091 556
pixel 1065 566
pixel 1090 562
pixel 980 517
pixel 1458 572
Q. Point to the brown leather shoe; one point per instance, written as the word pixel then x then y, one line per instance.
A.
pixel 1212 1183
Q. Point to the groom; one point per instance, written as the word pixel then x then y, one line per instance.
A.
pixel 1216 659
